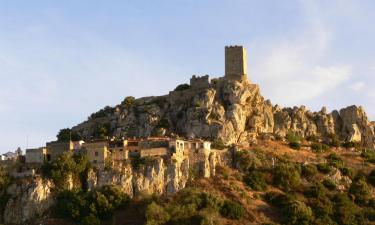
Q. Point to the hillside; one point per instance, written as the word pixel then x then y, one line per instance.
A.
pixel 233 111
pixel 212 152
pixel 270 183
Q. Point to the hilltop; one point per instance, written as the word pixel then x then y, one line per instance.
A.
pixel 213 151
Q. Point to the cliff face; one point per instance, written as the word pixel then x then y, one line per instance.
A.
pixel 159 176
pixel 32 197
pixel 233 111
pixel 29 198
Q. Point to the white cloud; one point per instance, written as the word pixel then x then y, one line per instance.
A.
pixel 358 86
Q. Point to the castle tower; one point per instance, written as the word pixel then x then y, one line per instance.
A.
pixel 235 62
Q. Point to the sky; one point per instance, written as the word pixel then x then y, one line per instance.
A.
pixel 62 60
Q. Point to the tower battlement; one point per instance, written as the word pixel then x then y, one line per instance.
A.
pixel 235 62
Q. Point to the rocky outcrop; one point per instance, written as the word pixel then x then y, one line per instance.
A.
pixel 231 110
pixel 29 198
pixel 160 176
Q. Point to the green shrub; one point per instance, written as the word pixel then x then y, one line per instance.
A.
pixel 317 190
pixel 286 176
pixel 293 137
pixel 346 171
pixel 156 214
pixel 89 207
pixel 323 209
pixel 329 184
pixel 346 212
pixel 128 101
pixel 90 220
pixel 360 190
pixel 309 170
pixel 350 144
pixel 369 155
pixel 232 210
pixel 297 213
pixel 324 168
pixel 335 160
pixel 64 167
pixel 295 145
pixel 182 87
pixel 256 180
pixel 318 147
pixel 71 205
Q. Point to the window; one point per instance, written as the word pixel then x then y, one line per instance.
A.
pixel 96 153
pixel 95 161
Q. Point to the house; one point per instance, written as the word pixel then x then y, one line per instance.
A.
pixel 153 147
pixel 118 149
pixel 37 155
pixel 56 149
pixel 97 151
pixel 9 156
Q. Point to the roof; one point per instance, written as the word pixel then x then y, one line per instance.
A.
pixel 10 154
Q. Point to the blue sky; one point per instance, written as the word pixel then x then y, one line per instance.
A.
pixel 62 60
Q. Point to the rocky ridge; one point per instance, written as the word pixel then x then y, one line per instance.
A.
pixel 231 110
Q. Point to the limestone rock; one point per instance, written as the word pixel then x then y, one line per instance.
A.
pixel 28 199
pixel 233 111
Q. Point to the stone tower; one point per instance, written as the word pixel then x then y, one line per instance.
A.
pixel 235 62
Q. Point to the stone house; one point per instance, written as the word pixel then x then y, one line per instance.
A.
pixel 37 155
pixel 56 149
pixel 96 151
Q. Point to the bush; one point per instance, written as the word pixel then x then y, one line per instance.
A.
pixel 128 101
pixel 293 211
pixel 318 147
pixel 298 213
pixel 232 210
pixel 102 113
pixel 293 137
pixel 286 176
pixel 324 168
pixel 335 160
pixel 182 87
pixel 350 144
pixel 71 205
pixel 369 155
pixel 90 220
pixel 329 184
pixel 156 214
pixel 346 171
pixel 256 180
pixel 295 145
pixel 360 190
pixel 346 212
pixel 88 208
pixel 317 190
pixel 309 170
pixel 64 167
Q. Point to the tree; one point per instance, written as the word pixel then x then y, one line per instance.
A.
pixel 67 134
pixel 182 87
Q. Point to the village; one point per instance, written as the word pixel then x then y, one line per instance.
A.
pixel 101 152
